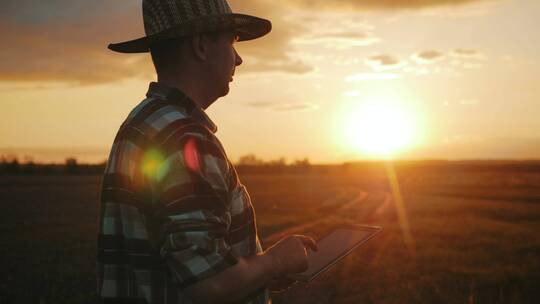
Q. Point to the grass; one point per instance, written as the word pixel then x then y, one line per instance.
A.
pixel 475 235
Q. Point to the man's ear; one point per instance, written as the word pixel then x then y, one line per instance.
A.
pixel 199 47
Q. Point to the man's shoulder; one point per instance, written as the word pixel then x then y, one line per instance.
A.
pixel 157 120
pixel 157 128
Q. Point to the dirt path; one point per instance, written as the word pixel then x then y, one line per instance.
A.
pixel 347 207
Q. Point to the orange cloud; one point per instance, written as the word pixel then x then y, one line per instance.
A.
pixel 275 51
pixel 296 107
pixel 427 57
pixel 65 41
pixel 377 4
pixel 287 107
pixel 467 53
pixel 66 48
pixel 384 62
pixel 340 39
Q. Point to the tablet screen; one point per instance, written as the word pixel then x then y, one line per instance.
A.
pixel 333 248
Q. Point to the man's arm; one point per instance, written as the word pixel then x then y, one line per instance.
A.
pixel 251 273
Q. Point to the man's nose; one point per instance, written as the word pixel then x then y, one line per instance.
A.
pixel 238 60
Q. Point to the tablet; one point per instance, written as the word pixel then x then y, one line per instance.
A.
pixel 334 247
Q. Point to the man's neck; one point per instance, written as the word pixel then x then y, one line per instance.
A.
pixel 189 87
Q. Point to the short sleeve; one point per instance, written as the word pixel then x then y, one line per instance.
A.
pixel 193 219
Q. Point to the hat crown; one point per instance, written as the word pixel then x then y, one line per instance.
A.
pixel 161 15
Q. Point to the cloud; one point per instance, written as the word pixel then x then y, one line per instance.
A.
pixel 376 4
pixel 69 46
pixel 286 65
pixel 467 54
pixel 340 39
pixel 33 86
pixel 274 52
pixel 65 41
pixel 467 58
pixel 260 104
pixel 296 107
pixel 459 58
pixel 289 107
pixel 384 62
pixel 427 57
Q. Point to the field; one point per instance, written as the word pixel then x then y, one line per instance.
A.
pixel 467 233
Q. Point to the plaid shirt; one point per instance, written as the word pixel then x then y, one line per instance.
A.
pixel 173 211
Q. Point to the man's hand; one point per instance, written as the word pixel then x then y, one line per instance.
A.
pixel 289 255
pixel 253 272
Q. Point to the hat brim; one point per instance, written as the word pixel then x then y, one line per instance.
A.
pixel 246 27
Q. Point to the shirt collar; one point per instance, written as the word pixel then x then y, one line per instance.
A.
pixel 177 97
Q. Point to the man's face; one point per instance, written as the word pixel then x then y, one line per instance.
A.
pixel 222 62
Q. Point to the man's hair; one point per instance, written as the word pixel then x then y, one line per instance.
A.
pixel 166 55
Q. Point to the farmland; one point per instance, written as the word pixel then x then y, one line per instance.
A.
pixel 468 233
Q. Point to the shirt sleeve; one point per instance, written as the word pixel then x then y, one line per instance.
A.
pixel 193 219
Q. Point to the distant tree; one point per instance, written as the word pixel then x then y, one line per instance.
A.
pixel 10 158
pixel 28 159
pixel 29 167
pixel 302 162
pixel 11 164
pixel 71 161
pixel 250 160
pixel 71 165
pixel 280 162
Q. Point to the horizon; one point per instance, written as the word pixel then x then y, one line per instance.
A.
pixel 51 156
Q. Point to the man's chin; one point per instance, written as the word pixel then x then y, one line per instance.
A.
pixel 225 91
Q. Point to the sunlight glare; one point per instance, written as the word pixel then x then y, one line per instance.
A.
pixel 379 128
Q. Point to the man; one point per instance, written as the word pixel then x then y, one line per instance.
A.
pixel 176 224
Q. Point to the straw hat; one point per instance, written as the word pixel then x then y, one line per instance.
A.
pixel 169 19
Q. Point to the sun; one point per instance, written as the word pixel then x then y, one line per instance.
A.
pixel 379 128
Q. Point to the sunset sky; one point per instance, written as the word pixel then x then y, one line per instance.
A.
pixel 445 79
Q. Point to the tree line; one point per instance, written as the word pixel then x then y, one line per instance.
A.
pixel 10 164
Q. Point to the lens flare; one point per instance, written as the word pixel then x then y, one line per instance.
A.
pixel 154 166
